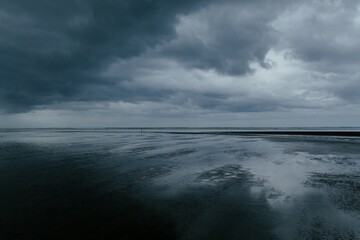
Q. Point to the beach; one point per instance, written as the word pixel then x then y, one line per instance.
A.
pixel 166 184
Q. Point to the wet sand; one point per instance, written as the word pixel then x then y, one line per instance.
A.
pixel 107 184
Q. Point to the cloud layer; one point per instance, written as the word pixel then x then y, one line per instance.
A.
pixel 53 51
pixel 207 57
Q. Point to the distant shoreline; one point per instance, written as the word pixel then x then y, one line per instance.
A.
pixel 293 133
pixel 336 132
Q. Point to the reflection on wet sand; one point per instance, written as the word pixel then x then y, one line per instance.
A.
pixel 104 185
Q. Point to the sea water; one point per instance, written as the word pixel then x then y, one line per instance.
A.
pixel 177 184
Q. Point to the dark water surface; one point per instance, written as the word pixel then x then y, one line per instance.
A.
pixel 118 184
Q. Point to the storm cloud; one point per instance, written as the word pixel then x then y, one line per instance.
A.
pixel 223 37
pixel 199 57
pixel 51 51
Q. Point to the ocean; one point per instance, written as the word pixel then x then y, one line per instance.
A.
pixel 179 183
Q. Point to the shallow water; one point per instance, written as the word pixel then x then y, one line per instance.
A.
pixel 117 184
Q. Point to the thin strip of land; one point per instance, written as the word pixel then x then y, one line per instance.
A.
pixel 299 133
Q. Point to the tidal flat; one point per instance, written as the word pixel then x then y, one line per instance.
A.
pixel 142 183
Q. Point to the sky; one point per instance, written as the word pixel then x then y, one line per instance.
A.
pixel 188 63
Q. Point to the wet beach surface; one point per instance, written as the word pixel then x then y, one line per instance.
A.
pixel 106 184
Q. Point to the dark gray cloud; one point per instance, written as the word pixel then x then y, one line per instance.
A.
pixel 50 51
pixel 226 37
pixel 230 56
pixel 56 51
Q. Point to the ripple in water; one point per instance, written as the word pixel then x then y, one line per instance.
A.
pixel 131 185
